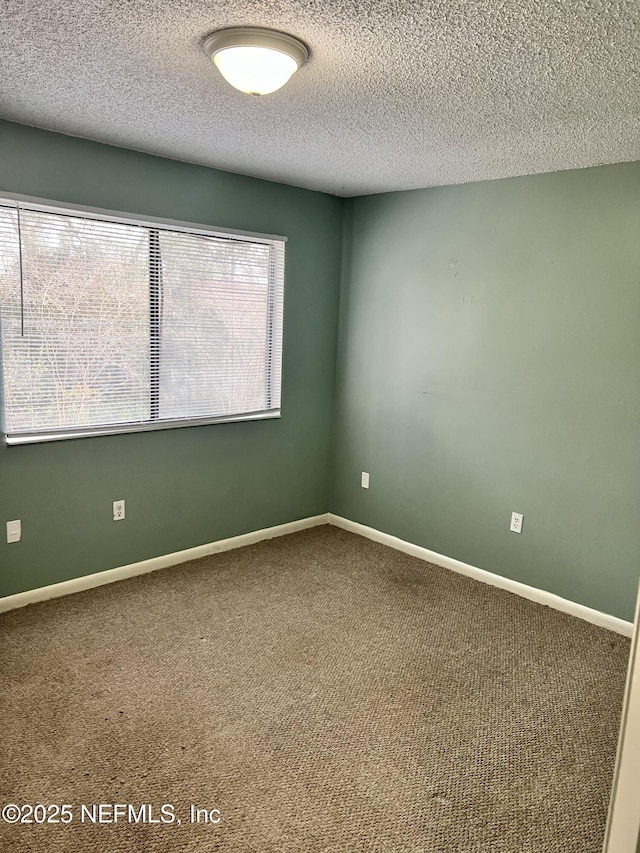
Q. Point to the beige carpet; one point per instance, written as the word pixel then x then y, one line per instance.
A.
pixel 325 694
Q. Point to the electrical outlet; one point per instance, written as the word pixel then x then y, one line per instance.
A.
pixel 118 510
pixel 516 522
pixel 14 530
pixel 364 480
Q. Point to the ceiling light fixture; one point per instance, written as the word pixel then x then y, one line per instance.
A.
pixel 255 60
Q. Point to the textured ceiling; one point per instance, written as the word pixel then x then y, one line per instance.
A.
pixel 396 94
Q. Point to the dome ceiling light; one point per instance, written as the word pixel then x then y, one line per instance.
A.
pixel 255 60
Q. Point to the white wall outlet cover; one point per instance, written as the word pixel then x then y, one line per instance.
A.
pixel 14 530
pixel 118 510
pixel 517 519
pixel 364 480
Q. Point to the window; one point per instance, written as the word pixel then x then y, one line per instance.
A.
pixel 113 325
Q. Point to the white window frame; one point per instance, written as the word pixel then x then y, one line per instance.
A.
pixel 49 206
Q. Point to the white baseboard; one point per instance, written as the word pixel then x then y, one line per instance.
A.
pixel 604 620
pixel 21 599
pixel 31 596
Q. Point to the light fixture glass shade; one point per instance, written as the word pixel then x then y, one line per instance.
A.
pixel 254 60
pixel 255 70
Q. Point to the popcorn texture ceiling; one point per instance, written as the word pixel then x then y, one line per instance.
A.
pixel 396 95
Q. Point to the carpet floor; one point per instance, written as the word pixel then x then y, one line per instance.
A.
pixel 321 692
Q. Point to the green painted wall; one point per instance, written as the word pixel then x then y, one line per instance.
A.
pixel 489 361
pixel 182 487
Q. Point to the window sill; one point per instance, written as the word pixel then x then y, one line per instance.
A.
pixel 120 429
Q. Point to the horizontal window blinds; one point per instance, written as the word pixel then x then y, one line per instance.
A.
pixel 111 326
